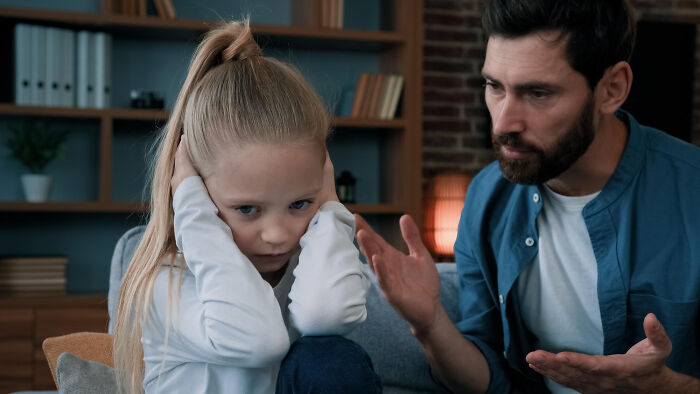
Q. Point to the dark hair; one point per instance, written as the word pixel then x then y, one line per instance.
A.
pixel 600 33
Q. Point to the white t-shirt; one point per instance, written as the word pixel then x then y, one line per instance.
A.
pixel 559 290
pixel 231 329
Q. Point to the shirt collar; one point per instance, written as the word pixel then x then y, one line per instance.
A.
pixel 626 169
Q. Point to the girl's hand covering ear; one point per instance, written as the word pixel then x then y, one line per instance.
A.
pixel 328 192
pixel 183 165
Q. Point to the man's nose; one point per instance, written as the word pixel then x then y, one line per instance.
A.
pixel 507 116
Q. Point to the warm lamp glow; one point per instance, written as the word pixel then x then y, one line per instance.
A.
pixel 444 201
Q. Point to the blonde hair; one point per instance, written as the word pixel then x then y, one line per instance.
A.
pixel 232 96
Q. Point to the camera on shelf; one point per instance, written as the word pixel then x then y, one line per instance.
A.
pixel 143 99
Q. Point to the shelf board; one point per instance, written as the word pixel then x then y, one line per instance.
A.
pixel 376 209
pixel 21 206
pixel 128 207
pixel 369 123
pixel 156 114
pixel 53 300
pixel 86 113
pixel 156 27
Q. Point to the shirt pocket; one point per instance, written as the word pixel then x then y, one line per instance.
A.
pixel 680 320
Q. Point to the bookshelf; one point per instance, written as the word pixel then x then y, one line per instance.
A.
pixel 396 45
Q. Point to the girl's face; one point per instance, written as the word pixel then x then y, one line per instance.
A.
pixel 267 194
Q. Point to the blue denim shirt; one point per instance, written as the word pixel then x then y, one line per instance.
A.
pixel 645 231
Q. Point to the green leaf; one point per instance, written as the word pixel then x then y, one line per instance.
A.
pixel 34 145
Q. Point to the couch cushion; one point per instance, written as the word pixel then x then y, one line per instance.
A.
pixel 397 356
pixel 78 376
pixel 123 252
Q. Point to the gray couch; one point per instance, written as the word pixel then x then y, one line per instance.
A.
pixel 397 356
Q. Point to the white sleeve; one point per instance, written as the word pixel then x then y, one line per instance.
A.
pixel 328 294
pixel 232 315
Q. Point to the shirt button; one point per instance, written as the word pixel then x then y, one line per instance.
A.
pixel 529 241
pixel 500 298
pixel 536 198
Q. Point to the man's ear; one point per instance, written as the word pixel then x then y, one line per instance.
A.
pixel 614 87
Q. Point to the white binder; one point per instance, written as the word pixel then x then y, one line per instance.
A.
pixel 68 78
pixel 54 66
pixel 23 39
pixel 38 66
pixel 103 68
pixel 85 76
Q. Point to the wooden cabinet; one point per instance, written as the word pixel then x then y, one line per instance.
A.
pixel 26 322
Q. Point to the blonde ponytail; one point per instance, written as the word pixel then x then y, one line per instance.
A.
pixel 231 95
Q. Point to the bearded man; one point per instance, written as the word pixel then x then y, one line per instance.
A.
pixel 579 249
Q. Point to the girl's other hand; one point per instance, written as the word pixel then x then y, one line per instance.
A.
pixel 183 165
pixel 328 192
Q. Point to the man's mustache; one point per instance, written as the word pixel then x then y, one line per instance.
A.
pixel 512 140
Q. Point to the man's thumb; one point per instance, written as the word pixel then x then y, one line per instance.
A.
pixel 656 333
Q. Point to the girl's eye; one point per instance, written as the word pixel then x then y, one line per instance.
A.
pixel 301 204
pixel 246 209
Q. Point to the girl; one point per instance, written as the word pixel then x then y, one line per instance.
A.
pixel 247 247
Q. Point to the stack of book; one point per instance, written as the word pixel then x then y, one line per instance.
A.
pixel 318 13
pixel 332 14
pixel 57 67
pixel 29 276
pixel 377 96
pixel 164 8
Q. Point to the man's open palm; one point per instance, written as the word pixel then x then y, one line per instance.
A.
pixel 409 282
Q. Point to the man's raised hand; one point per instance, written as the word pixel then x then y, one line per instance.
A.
pixel 409 282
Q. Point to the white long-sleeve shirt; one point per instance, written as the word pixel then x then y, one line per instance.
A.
pixel 229 329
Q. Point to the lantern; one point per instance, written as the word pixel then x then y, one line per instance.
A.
pixel 345 187
pixel 444 200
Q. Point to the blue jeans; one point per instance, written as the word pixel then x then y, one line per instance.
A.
pixel 328 364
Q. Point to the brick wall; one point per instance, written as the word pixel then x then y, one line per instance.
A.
pixel 455 126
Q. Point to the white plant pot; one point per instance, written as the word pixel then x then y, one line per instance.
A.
pixel 36 187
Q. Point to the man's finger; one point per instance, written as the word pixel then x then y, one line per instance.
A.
pixel 656 334
pixel 411 235
pixel 379 242
pixel 367 244
pixel 381 271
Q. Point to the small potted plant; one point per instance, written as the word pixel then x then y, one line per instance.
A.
pixel 35 146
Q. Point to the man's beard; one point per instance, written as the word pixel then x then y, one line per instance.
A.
pixel 542 166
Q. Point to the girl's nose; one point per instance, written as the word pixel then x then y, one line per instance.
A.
pixel 275 234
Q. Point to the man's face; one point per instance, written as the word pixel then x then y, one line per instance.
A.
pixel 541 109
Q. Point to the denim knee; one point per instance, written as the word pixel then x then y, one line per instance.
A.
pixel 327 364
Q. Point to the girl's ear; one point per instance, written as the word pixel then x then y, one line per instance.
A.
pixel 613 89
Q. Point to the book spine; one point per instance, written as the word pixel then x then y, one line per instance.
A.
pixel 396 94
pixel 68 80
pixel 54 66
pixel 160 9
pixel 22 50
pixel 82 63
pixel 102 68
pixel 359 95
pixel 38 68
pixel 371 111
pixel 386 96
pixel 340 14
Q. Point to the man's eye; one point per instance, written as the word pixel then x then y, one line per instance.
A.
pixel 489 84
pixel 538 94
pixel 246 209
pixel 301 204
